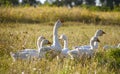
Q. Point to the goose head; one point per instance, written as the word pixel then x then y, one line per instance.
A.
pixel 99 33
pixel 40 38
pixel 63 36
pixel 44 42
pixel 58 24
pixel 14 56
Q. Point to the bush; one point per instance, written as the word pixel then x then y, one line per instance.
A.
pixel 114 57
pixel 111 58
pixel 100 8
pixel 116 9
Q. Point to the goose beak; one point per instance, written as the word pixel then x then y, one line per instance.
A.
pixel 104 32
pixel 49 43
pixel 98 40
pixel 62 21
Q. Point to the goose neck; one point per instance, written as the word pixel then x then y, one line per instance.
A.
pixel 92 44
pixel 56 42
pixel 96 35
pixel 96 45
pixel 66 43
pixel 55 30
pixel 41 44
pixel 38 43
pixel 55 36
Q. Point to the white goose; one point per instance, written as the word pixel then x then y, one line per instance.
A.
pixel 78 52
pixel 106 47
pixel 97 34
pixel 55 48
pixel 118 45
pixel 29 53
pixel 65 49
pixel 56 44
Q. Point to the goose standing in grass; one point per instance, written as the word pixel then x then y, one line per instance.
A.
pixel 97 34
pixel 56 44
pixel 55 49
pixel 79 52
pixel 106 47
pixel 64 52
pixel 30 53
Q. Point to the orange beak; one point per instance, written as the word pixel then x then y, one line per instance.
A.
pixel 104 32
pixel 49 43
pixel 62 20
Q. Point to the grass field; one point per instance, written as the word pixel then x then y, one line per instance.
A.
pixel 16 35
pixel 46 14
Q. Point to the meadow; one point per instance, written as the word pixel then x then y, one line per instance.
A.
pixel 20 27
pixel 47 14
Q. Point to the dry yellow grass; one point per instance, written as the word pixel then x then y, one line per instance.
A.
pixel 47 14
pixel 15 36
pixel 19 30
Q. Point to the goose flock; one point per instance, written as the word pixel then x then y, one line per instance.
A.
pixel 56 50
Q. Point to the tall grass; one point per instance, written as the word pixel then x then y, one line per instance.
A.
pixel 20 27
pixel 16 36
pixel 47 14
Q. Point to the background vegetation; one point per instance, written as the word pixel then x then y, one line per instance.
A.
pixel 101 4
pixel 47 14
